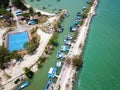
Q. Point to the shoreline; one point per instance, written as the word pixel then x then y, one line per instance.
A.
pixel 68 74
pixel 37 10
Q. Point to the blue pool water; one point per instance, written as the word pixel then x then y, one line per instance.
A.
pixel 16 41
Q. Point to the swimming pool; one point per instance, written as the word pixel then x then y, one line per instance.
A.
pixel 16 41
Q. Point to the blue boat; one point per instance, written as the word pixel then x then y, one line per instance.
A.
pixel 25 84
pixel 31 22
pixel 48 84
pixel 52 72
pixel 71 27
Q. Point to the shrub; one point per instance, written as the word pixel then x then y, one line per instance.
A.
pixel 77 61
pixel 19 4
pixel 28 73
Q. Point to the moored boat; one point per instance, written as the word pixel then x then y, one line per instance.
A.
pixel 52 72
pixel 25 84
pixel 59 64
pixel 48 84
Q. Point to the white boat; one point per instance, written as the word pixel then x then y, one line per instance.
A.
pixel 58 64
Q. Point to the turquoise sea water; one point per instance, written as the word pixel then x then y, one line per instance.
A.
pixel 101 54
pixel 16 41
pixel 102 51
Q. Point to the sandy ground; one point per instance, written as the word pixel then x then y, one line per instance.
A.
pixel 2 31
pixel 28 61
pixel 67 73
pixel 37 10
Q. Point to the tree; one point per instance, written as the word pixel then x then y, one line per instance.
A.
pixel 19 4
pixel 4 3
pixel 53 41
pixel 39 14
pixel 84 15
pixel 42 59
pixel 4 56
pixel 28 72
pixel 26 15
pixel 77 61
pixel 2 11
pixel 31 11
pixel 15 55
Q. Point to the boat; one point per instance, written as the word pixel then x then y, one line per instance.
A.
pixel 78 17
pixel 84 8
pixel 25 84
pixel 68 37
pixel 74 29
pixel 76 23
pixel 67 42
pixel 71 27
pixel 60 55
pixel 49 5
pixel 48 84
pixel 60 29
pixel 64 48
pixel 52 72
pixel 67 14
pixel 31 22
pixel 79 13
pixel 58 64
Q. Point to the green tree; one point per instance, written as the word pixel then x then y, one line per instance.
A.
pixel 28 72
pixel 31 11
pixel 19 4
pixel 39 14
pixel 2 11
pixel 4 3
pixel 53 41
pixel 26 15
pixel 15 55
pixel 42 59
pixel 84 15
pixel 77 61
pixel 4 56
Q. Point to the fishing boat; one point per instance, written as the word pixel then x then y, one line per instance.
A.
pixel 25 84
pixel 59 64
pixel 60 55
pixel 84 8
pixel 64 48
pixel 52 72
pixel 60 29
pixel 48 84
pixel 67 42
pixel 68 37
pixel 67 14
